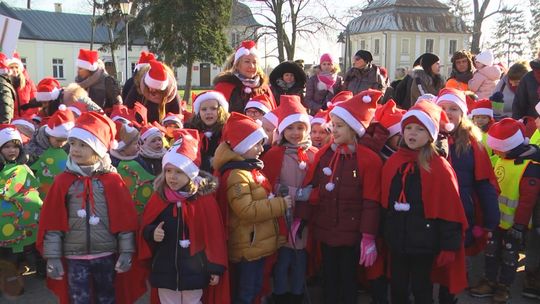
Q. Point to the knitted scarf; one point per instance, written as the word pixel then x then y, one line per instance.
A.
pixel 249 82
pixel 327 79
pixel 91 80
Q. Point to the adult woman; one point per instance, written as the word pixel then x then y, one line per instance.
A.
pixel 26 89
pixel 364 74
pixel 427 79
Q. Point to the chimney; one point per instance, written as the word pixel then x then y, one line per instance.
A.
pixel 58 7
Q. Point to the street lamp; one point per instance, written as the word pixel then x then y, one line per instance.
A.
pixel 125 7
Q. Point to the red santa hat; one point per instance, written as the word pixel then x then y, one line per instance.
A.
pixel 149 131
pixel 184 153
pixel 210 95
pixel 122 113
pixel 24 122
pixel 247 47
pixel 340 97
pixel 156 77
pixel 427 97
pixel 78 108
pixel 506 134
pixel 454 96
pixel 291 110
pixel 482 107
pixel 96 130
pixel 389 116
pixel 431 116
pixel 144 60
pixel 88 60
pixel 4 66
pixel 60 123
pixel 260 102
pixel 16 59
pixel 321 118
pixel 9 133
pixel 242 133
pixel 272 118
pixel 125 134
pixel 359 110
pixel 48 89
pixel 172 117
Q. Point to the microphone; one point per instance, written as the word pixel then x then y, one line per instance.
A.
pixel 284 191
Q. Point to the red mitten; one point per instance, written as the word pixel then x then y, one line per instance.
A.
pixel 445 257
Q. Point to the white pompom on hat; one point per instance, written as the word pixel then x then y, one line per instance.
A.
pixel 60 123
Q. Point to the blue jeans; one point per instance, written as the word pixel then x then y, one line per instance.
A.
pixel 249 280
pixel 100 272
pixel 290 268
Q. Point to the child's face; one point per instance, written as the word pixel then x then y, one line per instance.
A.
pixel 131 149
pixel 326 67
pixel 10 150
pixel 393 142
pixel 479 65
pixel 254 113
pixel 288 77
pixel 170 127
pixel 209 112
pixel 254 152
pixel 416 136
pixel 319 136
pixel 175 178
pixel 453 112
pixel 295 133
pixel 156 143
pixel 481 120
pixel 81 153
pixel 57 142
pixel 343 134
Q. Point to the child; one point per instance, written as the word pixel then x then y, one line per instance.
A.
pixel 287 164
pixel 88 219
pixel 49 96
pixel 171 122
pixel 211 113
pixel 322 87
pixel 182 229
pixel 476 180
pixel 389 116
pixel 21 203
pixel 423 229
pixel 486 76
pixel 249 208
pixel 520 187
pixel 257 107
pixel 287 78
pixel 482 117
pixel 320 129
pixel 346 177
pixel 151 148
pixel 26 128
pixel 269 125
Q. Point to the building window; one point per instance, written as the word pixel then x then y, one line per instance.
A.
pixel 376 48
pixel 23 60
pixel 405 46
pixel 452 48
pixel 58 68
pixel 235 40
pixel 133 64
pixel 362 44
pixel 429 45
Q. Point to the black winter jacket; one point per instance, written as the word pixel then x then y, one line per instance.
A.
pixel 526 97
pixel 8 96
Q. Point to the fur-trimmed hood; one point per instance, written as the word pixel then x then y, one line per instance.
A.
pixel 208 183
pixel 231 78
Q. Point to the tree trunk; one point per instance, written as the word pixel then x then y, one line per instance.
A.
pixel 477 33
pixel 111 40
pixel 189 74
pixel 93 24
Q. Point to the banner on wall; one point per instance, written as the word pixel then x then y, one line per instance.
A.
pixel 9 34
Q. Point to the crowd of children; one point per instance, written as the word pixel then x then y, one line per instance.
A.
pixel 251 196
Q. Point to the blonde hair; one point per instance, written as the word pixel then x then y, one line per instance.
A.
pixel 95 158
pixel 73 92
pixel 464 133
pixel 164 93
pixel 231 67
pixel 197 123
pixel 160 182
pixel 425 155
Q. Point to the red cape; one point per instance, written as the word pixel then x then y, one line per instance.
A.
pixel 440 196
pixel 205 233
pixel 122 218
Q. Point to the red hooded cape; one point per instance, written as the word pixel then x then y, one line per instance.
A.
pixel 122 218
pixel 440 197
pixel 205 233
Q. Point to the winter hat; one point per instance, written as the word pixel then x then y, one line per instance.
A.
pixel 60 122
pixel 431 116
pixel 96 130
pixel 8 133
pixel 321 118
pixel 88 60
pixel 25 123
pixel 246 47
pixel 506 134
pixel 389 116
pixel 242 133
pixel 428 59
pixel 326 57
pixel 150 131
pixel 260 102
pixel 359 110
pixel 172 117
pixel 78 108
pixel 291 110
pixel 184 153
pixel 365 55
pixel 16 59
pixel 482 107
pixel 455 96
pixel 4 66
pixel 144 60
pixel 48 89
pixel 272 118
pixel 340 97
pixel 209 95
pixel 122 113
pixel 427 97
pixel 125 134
pixel 157 77
pixel 485 58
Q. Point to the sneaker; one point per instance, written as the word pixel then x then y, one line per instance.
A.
pixel 485 288
pixel 502 295
pixel 531 286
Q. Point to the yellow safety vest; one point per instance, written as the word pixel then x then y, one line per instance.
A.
pixel 509 176
pixel 492 156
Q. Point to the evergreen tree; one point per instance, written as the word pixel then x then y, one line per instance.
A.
pixel 534 37
pixel 510 36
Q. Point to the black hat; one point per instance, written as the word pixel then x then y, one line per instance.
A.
pixel 535 64
pixel 366 55
pixel 288 67
pixel 428 59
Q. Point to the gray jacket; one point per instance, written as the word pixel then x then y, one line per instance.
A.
pixel 358 80
pixel 317 98
pixel 83 238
